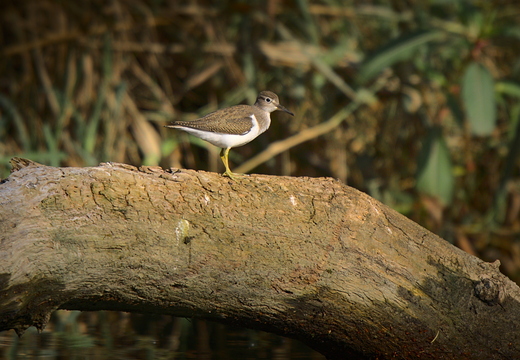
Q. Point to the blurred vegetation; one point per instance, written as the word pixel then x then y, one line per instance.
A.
pixel 414 102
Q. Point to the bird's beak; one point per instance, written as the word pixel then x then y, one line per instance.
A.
pixel 283 108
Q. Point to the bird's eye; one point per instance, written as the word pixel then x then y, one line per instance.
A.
pixel 268 100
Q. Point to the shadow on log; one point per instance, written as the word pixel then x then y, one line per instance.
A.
pixel 306 258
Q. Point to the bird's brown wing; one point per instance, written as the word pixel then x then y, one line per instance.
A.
pixel 225 121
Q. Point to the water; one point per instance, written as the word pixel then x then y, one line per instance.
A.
pixel 115 335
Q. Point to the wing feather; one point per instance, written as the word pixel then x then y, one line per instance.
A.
pixel 225 121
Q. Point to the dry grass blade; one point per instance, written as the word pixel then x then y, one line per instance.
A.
pixel 156 90
pixel 364 96
pixel 144 133
pixel 301 137
pixel 46 82
pixel 287 53
pixel 203 75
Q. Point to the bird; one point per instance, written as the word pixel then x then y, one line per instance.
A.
pixel 234 126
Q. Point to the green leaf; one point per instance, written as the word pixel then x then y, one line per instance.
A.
pixel 478 95
pixel 402 48
pixel 435 176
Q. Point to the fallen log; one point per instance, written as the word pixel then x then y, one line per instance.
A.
pixel 308 258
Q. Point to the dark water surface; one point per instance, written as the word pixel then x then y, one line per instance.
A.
pixel 115 335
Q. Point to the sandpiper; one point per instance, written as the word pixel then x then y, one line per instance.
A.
pixel 234 126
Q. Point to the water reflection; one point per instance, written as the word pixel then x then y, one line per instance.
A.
pixel 117 335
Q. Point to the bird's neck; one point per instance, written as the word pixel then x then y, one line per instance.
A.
pixel 264 125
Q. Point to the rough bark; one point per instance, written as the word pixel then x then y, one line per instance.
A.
pixel 307 258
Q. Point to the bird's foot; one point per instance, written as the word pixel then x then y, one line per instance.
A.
pixel 232 175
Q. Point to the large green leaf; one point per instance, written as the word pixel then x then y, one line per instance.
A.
pixel 435 175
pixel 478 95
pixel 400 49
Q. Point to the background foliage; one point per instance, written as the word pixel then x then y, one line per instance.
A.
pixel 414 102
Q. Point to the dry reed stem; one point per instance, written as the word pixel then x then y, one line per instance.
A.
pixel 144 133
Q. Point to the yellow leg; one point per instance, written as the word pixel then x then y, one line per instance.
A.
pixel 224 154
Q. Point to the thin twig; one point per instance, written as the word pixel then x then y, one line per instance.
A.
pixel 436 336
pixel 304 135
pixel 363 96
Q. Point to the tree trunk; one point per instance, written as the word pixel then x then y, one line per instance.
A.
pixel 306 258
